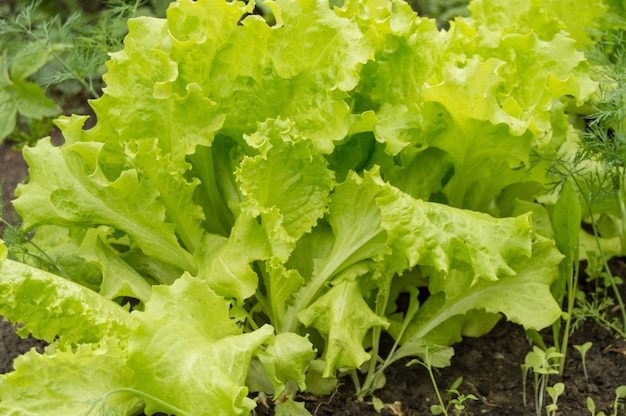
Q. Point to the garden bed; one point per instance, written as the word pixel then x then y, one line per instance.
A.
pixel 275 193
pixel 489 365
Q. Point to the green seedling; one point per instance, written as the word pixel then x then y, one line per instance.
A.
pixel 543 363
pixel 454 399
pixel 554 392
pixel 582 349
pixel 618 404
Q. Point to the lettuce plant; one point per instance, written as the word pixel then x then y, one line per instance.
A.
pixel 254 199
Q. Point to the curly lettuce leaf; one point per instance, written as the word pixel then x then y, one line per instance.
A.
pixel 119 279
pixel 544 17
pixel 288 187
pixel 53 308
pixel 188 352
pixel 89 379
pixel 225 263
pixel 444 238
pixel 231 70
pixel 68 186
pixel 343 317
pixel 286 359
pixel 175 191
pixel 297 69
pixel 356 238
pixel 486 91
pixel 180 117
pixel 524 298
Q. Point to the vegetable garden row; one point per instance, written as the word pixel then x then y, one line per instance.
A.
pixel 268 190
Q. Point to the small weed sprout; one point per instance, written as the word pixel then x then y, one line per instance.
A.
pixel 543 363
pixel 453 396
pixel 454 399
pixel 591 406
pixel 582 349
pixel 618 404
pixel 554 392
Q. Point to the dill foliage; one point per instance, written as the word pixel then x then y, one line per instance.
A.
pixel 49 55
pixel 597 168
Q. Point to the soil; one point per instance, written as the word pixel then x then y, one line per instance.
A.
pixel 490 365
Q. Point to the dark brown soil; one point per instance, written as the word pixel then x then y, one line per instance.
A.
pixel 13 170
pixel 490 366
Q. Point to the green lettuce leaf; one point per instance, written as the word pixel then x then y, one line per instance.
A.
pixel 195 363
pixel 443 238
pixel 486 91
pixel 51 307
pixel 119 279
pixel 343 317
pixel 225 263
pixel 175 191
pixel 69 187
pixel 180 117
pixel 89 379
pixel 302 79
pixel 356 237
pixel 287 187
pixel 286 359
pixel 523 298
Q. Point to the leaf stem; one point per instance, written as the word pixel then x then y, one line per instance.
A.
pixel 171 409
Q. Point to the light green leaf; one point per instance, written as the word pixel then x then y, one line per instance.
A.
pixel 296 69
pixel 474 82
pixel 343 317
pixel 119 279
pixel 89 379
pixel 283 284
pixel 358 237
pixel 225 262
pixel 523 298
pixel 61 245
pixel 291 180
pixel 68 187
pixel 180 117
pixel 291 408
pixel 431 165
pixel 196 364
pixel 50 306
pixel 566 221
pixel 442 237
pixel 175 191
pixel 286 358
pixel 316 383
